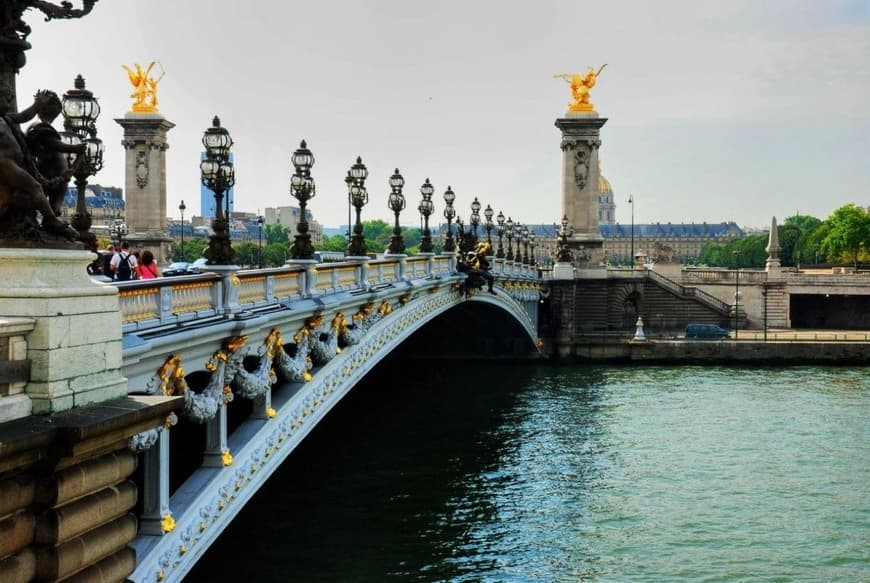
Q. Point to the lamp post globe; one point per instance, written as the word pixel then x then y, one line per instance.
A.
pixel 181 208
pixel 396 203
pixel 475 216
pixel 532 237
pixel 426 208
pixel 488 224
pixel 499 229
pixel 525 239
pixel 303 190
pixel 260 221
pixel 218 175
pixel 509 233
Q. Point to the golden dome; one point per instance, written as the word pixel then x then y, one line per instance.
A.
pixel 603 183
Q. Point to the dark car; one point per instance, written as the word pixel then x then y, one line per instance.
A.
pixel 706 331
pixel 180 268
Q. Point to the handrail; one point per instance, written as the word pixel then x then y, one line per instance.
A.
pixel 684 291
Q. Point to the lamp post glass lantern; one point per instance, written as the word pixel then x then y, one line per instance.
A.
pixel 396 203
pixel 118 231
pixel 426 208
pixel 303 189
pixel 260 221
pixel 218 175
pixel 475 216
pixel 358 197
pixel 487 215
pixel 509 233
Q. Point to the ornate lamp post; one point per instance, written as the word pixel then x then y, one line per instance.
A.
pixel 80 112
pixel 260 221
pixel 449 213
pixel 565 255
pixel 487 214
pixel 396 204
pixel 532 245
pixel 359 197
pixel 525 235
pixel 510 235
pixel 218 175
pixel 118 231
pixel 499 229
pixel 426 208
pixel 303 189
pixel 475 217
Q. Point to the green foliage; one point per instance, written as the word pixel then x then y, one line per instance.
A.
pixel 743 252
pixel 848 233
pixel 275 234
pixel 193 249
pixel 333 243
pixel 247 254
pixel 275 254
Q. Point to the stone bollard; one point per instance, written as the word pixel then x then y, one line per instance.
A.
pixel 638 333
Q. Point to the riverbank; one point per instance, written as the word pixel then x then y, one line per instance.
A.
pixel 679 351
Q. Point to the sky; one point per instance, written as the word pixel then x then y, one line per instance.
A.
pixel 717 111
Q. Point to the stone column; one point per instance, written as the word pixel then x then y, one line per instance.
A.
pixel 145 185
pixel 580 172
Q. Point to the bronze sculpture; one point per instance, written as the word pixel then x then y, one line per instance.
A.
pixel 33 168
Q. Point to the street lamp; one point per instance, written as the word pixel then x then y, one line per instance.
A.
pixel 118 231
pixel 736 253
pixel 631 202
pixel 359 197
pixel 764 296
pixel 475 217
pixel 396 204
pixel 449 213
pixel 218 175
pixel 80 112
pixel 181 208
pixel 565 255
pixel 426 208
pixel 303 190
pixel 525 239
pixel 510 235
pixel 499 229
pixel 260 221
pixel 532 245
pixel 487 214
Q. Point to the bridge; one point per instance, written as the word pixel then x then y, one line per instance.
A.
pixel 289 343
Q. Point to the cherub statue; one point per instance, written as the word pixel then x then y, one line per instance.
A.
pixel 580 87
pixel 144 88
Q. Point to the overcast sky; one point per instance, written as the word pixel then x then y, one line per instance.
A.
pixel 717 111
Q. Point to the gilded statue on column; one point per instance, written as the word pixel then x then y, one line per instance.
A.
pixel 580 87
pixel 144 88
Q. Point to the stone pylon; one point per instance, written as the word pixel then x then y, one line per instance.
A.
pixel 580 174
pixel 145 184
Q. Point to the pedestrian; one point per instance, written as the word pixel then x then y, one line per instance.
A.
pixel 149 268
pixel 107 260
pixel 124 265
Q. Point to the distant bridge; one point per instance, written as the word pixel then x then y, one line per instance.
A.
pixel 291 342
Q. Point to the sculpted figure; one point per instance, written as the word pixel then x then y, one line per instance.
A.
pixel 21 195
pixel 48 151
pixel 144 87
pixel 580 86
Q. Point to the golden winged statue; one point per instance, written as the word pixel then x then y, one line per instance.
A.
pixel 580 87
pixel 144 88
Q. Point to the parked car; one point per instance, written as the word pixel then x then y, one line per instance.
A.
pixel 706 331
pixel 180 268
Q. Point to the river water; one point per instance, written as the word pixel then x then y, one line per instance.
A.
pixel 570 473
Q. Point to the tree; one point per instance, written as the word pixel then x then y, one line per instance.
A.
pixel 802 249
pixel 275 234
pixel 848 233
pixel 193 249
pixel 333 243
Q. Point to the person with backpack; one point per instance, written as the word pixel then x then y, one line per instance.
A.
pixel 124 265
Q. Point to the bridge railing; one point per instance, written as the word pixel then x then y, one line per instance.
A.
pixel 170 301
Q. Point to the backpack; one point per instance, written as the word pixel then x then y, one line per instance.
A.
pixel 124 271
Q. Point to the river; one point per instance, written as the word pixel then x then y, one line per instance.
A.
pixel 516 473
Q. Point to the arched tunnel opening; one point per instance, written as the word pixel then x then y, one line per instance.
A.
pixel 470 330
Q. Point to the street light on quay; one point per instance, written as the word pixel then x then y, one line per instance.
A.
pixel 218 175
pixel 426 208
pixel 118 231
pixel 449 213
pixel 736 254
pixel 499 229
pixel 181 208
pixel 80 111
pixel 260 221
pixel 487 214
pixel 509 233
pixel 631 202
pixel 303 189
pixel 396 203
pixel 359 197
